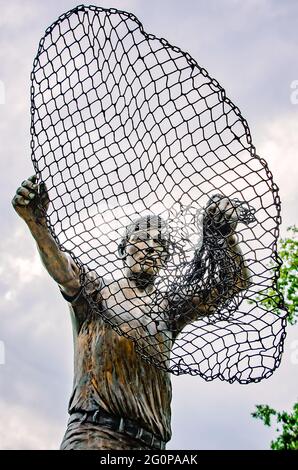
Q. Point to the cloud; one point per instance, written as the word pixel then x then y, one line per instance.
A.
pixel 27 429
pixel 11 17
pixel 216 415
pixel 277 142
pixel 250 48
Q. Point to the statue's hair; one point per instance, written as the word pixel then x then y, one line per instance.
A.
pixel 144 224
pixel 148 222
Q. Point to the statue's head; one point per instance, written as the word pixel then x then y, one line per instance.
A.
pixel 145 246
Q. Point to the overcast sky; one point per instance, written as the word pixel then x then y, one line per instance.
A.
pixel 251 49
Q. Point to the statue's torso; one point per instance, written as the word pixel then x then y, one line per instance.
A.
pixel 108 370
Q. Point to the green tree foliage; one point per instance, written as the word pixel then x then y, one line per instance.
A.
pixel 288 286
pixel 288 279
pixel 288 439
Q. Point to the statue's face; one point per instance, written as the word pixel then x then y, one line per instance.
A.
pixel 146 251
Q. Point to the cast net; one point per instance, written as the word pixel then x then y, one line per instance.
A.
pixel 144 155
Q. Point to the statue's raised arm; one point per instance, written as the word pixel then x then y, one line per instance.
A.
pixel 218 271
pixel 31 202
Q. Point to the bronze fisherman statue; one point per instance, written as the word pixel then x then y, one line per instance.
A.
pixel 119 401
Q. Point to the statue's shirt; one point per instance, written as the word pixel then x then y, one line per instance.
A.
pixel 108 372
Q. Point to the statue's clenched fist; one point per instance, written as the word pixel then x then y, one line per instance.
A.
pixel 220 216
pixel 31 200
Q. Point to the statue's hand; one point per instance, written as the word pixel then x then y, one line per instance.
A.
pixel 220 217
pixel 31 201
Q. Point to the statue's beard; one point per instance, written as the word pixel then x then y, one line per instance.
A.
pixel 142 278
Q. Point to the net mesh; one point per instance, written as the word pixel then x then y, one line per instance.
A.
pixel 151 170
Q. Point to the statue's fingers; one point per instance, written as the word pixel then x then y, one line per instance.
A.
pixel 226 211
pixel 43 189
pixel 232 210
pixel 223 204
pixel 19 200
pixel 220 219
pixel 32 178
pixel 215 198
pixel 30 185
pixel 219 214
pixel 44 195
pixel 26 193
pixel 210 209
